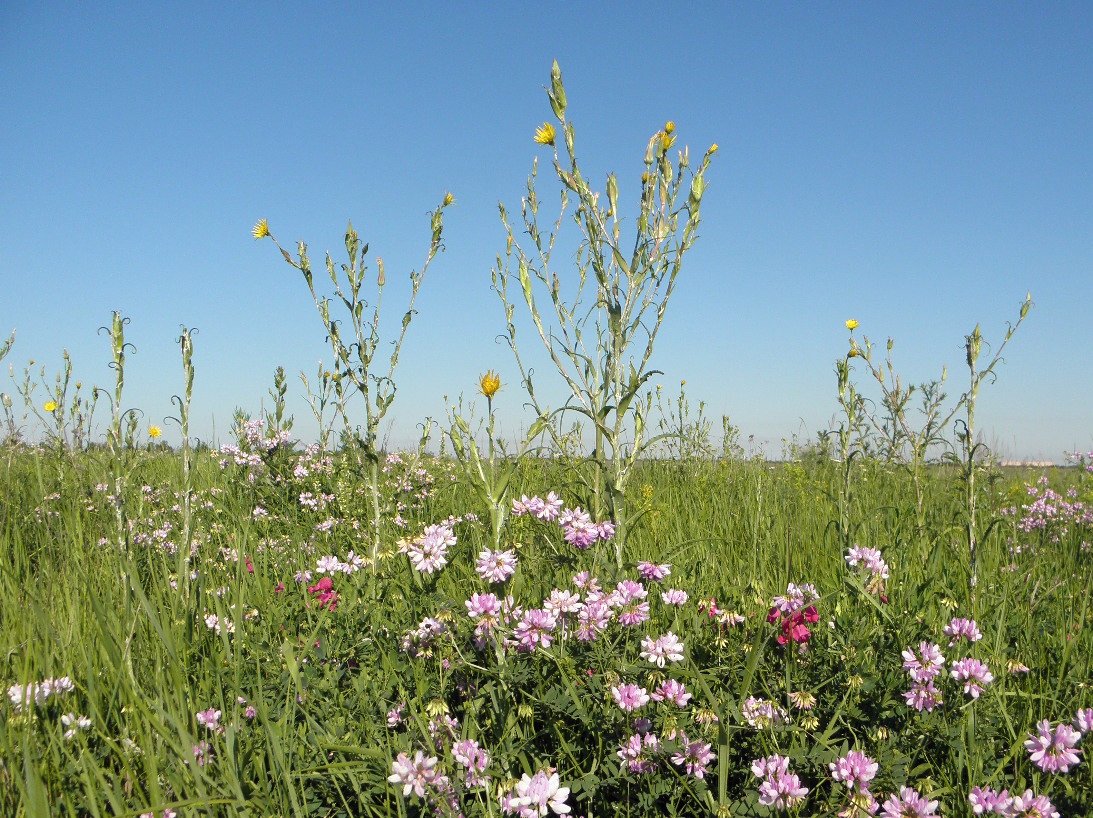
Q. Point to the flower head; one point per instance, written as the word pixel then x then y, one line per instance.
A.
pixel 851 324
pixel 544 134
pixel 154 431
pixel 1053 750
pixel 489 384
pixel 260 230
pixel 50 406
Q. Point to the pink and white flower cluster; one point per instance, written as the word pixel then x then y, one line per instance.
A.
pixel 536 796
pixel 1053 750
pixel 577 527
pixel 986 801
pixel 429 552
pixel 872 562
pixel 780 788
pixel 38 692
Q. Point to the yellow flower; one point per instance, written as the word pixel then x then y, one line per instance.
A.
pixel 260 230
pixel 853 353
pixel 852 324
pixel 51 406
pixel 544 134
pixel 666 142
pixel 669 126
pixel 154 431
pixel 713 149
pixel 448 198
pixel 489 384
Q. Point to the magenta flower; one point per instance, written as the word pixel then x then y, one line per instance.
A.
pixel 416 775
pixel 1033 806
pixel 593 619
pixel 667 648
pixel 630 697
pixel 909 804
pixel 671 690
pixel 209 719
pixel 654 573
pixel 562 602
pixel 536 796
pixel 1053 750
pixel 925 665
pixel 429 552
pixel 986 801
pixel 962 629
pixel 674 596
pixel 973 673
pixel 535 628
pixel 923 697
pixel 1083 720
pixel 855 770
pixel 694 756
pixel 780 788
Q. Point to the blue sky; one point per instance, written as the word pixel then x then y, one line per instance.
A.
pixel 918 167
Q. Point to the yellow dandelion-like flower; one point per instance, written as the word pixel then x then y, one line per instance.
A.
pixel 669 127
pixel 50 406
pixel 852 324
pixel 260 230
pixel 544 134
pixel 448 198
pixel 489 384
pixel 713 149
pixel 853 353
pixel 154 431
pixel 666 141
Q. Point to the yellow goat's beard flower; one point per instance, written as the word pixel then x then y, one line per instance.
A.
pixel 489 384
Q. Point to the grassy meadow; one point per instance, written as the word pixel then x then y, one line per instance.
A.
pixel 315 697
pixel 617 615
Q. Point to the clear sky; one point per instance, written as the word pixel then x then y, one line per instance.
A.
pixel 916 166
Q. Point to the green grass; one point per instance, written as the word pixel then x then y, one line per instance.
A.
pixel 128 626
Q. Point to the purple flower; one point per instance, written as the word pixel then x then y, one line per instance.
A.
pixel 630 697
pixel 429 552
pixel 667 648
pixel 986 801
pixel 535 628
pixel 495 566
pixel 926 665
pixel 855 770
pixel 414 776
pixel 1033 806
pixel 674 596
pixel 209 719
pixel 761 713
pixel 474 760
pixel 923 697
pixel 693 756
pixel 586 583
pixel 973 673
pixel 909 804
pixel 535 796
pixel 635 752
pixel 1053 750
pixel 780 789
pixel 962 629
pixel 563 602
pixel 652 572
pixel 593 619
pixel 672 691
pixel 1083 720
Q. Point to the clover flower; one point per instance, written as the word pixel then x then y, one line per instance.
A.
pixel 495 566
pixel 925 665
pixel 908 804
pixel 694 756
pixel 416 775
pixel 780 789
pixel 762 713
pixel 923 696
pixel 666 648
pixel 429 552
pixel 630 697
pixel 855 770
pixel 1030 805
pixel 671 690
pixel 973 673
pixel 638 753
pixel 1053 750
pixel 536 796
pixel 209 719
pixel 1083 720
pixel 652 572
pixel 474 760
pixel 535 628
pixel 986 801
pixel 674 596
pixel 962 629
pixel 74 723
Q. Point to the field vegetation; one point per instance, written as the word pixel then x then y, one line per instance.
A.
pixel 621 613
